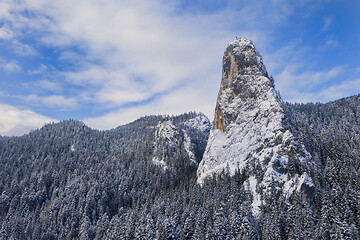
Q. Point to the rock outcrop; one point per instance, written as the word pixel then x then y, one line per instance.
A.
pixel 174 136
pixel 248 132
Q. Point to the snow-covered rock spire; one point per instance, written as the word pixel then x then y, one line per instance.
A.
pixel 248 132
pixel 241 64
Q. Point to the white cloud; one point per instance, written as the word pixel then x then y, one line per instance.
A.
pixel 53 101
pixel 291 75
pixel 15 121
pixel 126 52
pixel 9 66
pixel 5 33
pixel 22 49
pixel 334 92
pixel 337 91
pixel 295 85
pixel 142 49
pixel 42 68
pixel 296 78
pixel 45 86
pixel 188 98
pixel 6 6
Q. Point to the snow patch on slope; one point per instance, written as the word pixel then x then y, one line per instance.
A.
pixel 72 148
pixel 169 137
pixel 251 185
pixel 166 130
pixel 200 122
pixel 166 133
pixel 159 162
pixel 188 148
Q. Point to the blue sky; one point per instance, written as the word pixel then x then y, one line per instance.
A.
pixel 109 62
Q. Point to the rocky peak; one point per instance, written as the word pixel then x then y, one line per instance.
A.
pixel 242 58
pixel 248 132
pixel 244 77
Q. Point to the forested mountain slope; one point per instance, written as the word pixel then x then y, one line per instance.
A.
pixel 55 178
pixel 264 169
pixel 331 133
pixel 67 181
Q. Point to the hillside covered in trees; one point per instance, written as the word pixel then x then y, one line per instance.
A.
pixel 67 181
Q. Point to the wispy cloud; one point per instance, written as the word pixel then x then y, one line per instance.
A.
pixel 296 85
pixel 331 93
pixel 329 43
pixel 52 101
pixel 22 49
pixel 312 86
pixel 327 24
pixel 42 68
pixel 194 98
pixel 45 86
pixel 149 57
pixel 298 80
pixel 5 33
pixel 133 51
pixel 9 66
pixel 291 75
pixel 337 91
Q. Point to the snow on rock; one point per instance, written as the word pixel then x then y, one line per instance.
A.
pixel 251 185
pixel 170 138
pixel 167 130
pixel 248 131
pixel 166 134
pixel 189 148
pixel 200 122
pixel 72 148
pixel 160 162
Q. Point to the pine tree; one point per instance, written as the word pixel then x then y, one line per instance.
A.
pixel 189 227
pixel 220 223
pixel 102 226
pixel 170 229
pixel 84 229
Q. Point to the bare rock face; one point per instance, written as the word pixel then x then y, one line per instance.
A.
pixel 248 132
